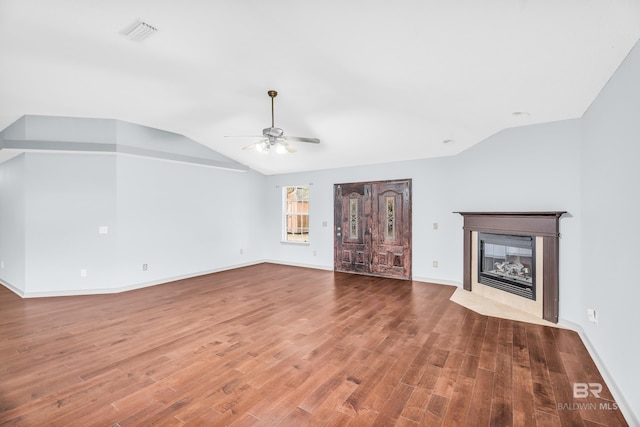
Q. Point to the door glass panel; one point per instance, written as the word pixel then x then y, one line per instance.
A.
pixel 353 218
pixel 390 220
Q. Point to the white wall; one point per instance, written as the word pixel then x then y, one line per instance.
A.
pixel 179 219
pixel 429 177
pixel 611 228
pixel 68 197
pixel 182 219
pixel 12 223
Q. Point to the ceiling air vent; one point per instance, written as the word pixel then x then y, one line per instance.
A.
pixel 138 31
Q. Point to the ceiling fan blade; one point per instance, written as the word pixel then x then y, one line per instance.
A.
pixel 251 146
pixel 302 139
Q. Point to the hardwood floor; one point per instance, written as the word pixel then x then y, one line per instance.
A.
pixel 277 345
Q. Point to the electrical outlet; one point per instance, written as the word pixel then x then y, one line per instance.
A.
pixel 83 272
pixel 435 264
pixel 592 315
pixel 435 225
pixel 145 267
pixel 241 251
pixel 315 253
pixel 103 229
pixel 1 264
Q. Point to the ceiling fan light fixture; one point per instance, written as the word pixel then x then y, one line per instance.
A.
pixel 273 137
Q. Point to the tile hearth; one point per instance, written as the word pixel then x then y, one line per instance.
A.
pixel 489 307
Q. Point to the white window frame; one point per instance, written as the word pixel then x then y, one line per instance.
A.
pixel 302 223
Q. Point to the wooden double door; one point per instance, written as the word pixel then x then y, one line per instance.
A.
pixel 372 228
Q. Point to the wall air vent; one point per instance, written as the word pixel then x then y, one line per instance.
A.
pixel 138 31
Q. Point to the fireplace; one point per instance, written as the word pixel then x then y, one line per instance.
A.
pixel 513 258
pixel 507 262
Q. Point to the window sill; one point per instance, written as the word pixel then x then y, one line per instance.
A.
pixel 289 242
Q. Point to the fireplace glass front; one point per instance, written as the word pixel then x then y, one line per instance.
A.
pixel 507 262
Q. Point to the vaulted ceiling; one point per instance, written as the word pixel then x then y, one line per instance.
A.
pixel 375 81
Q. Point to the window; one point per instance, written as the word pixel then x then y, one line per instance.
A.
pixel 296 214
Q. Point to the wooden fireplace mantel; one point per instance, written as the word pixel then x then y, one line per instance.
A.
pixel 542 224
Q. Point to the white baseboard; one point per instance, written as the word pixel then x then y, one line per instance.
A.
pixel 296 264
pixel 131 287
pixel 438 281
pixel 134 286
pixel 624 406
pixel 12 288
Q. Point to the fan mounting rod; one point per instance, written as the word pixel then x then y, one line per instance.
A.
pixel 272 94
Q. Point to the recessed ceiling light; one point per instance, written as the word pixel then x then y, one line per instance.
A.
pixel 448 141
pixel 138 31
pixel 521 113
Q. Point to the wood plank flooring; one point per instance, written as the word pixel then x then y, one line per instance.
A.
pixel 277 345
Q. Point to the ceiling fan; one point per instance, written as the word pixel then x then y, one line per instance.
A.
pixel 274 138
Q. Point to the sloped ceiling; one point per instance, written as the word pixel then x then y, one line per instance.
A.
pixel 85 135
pixel 375 80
